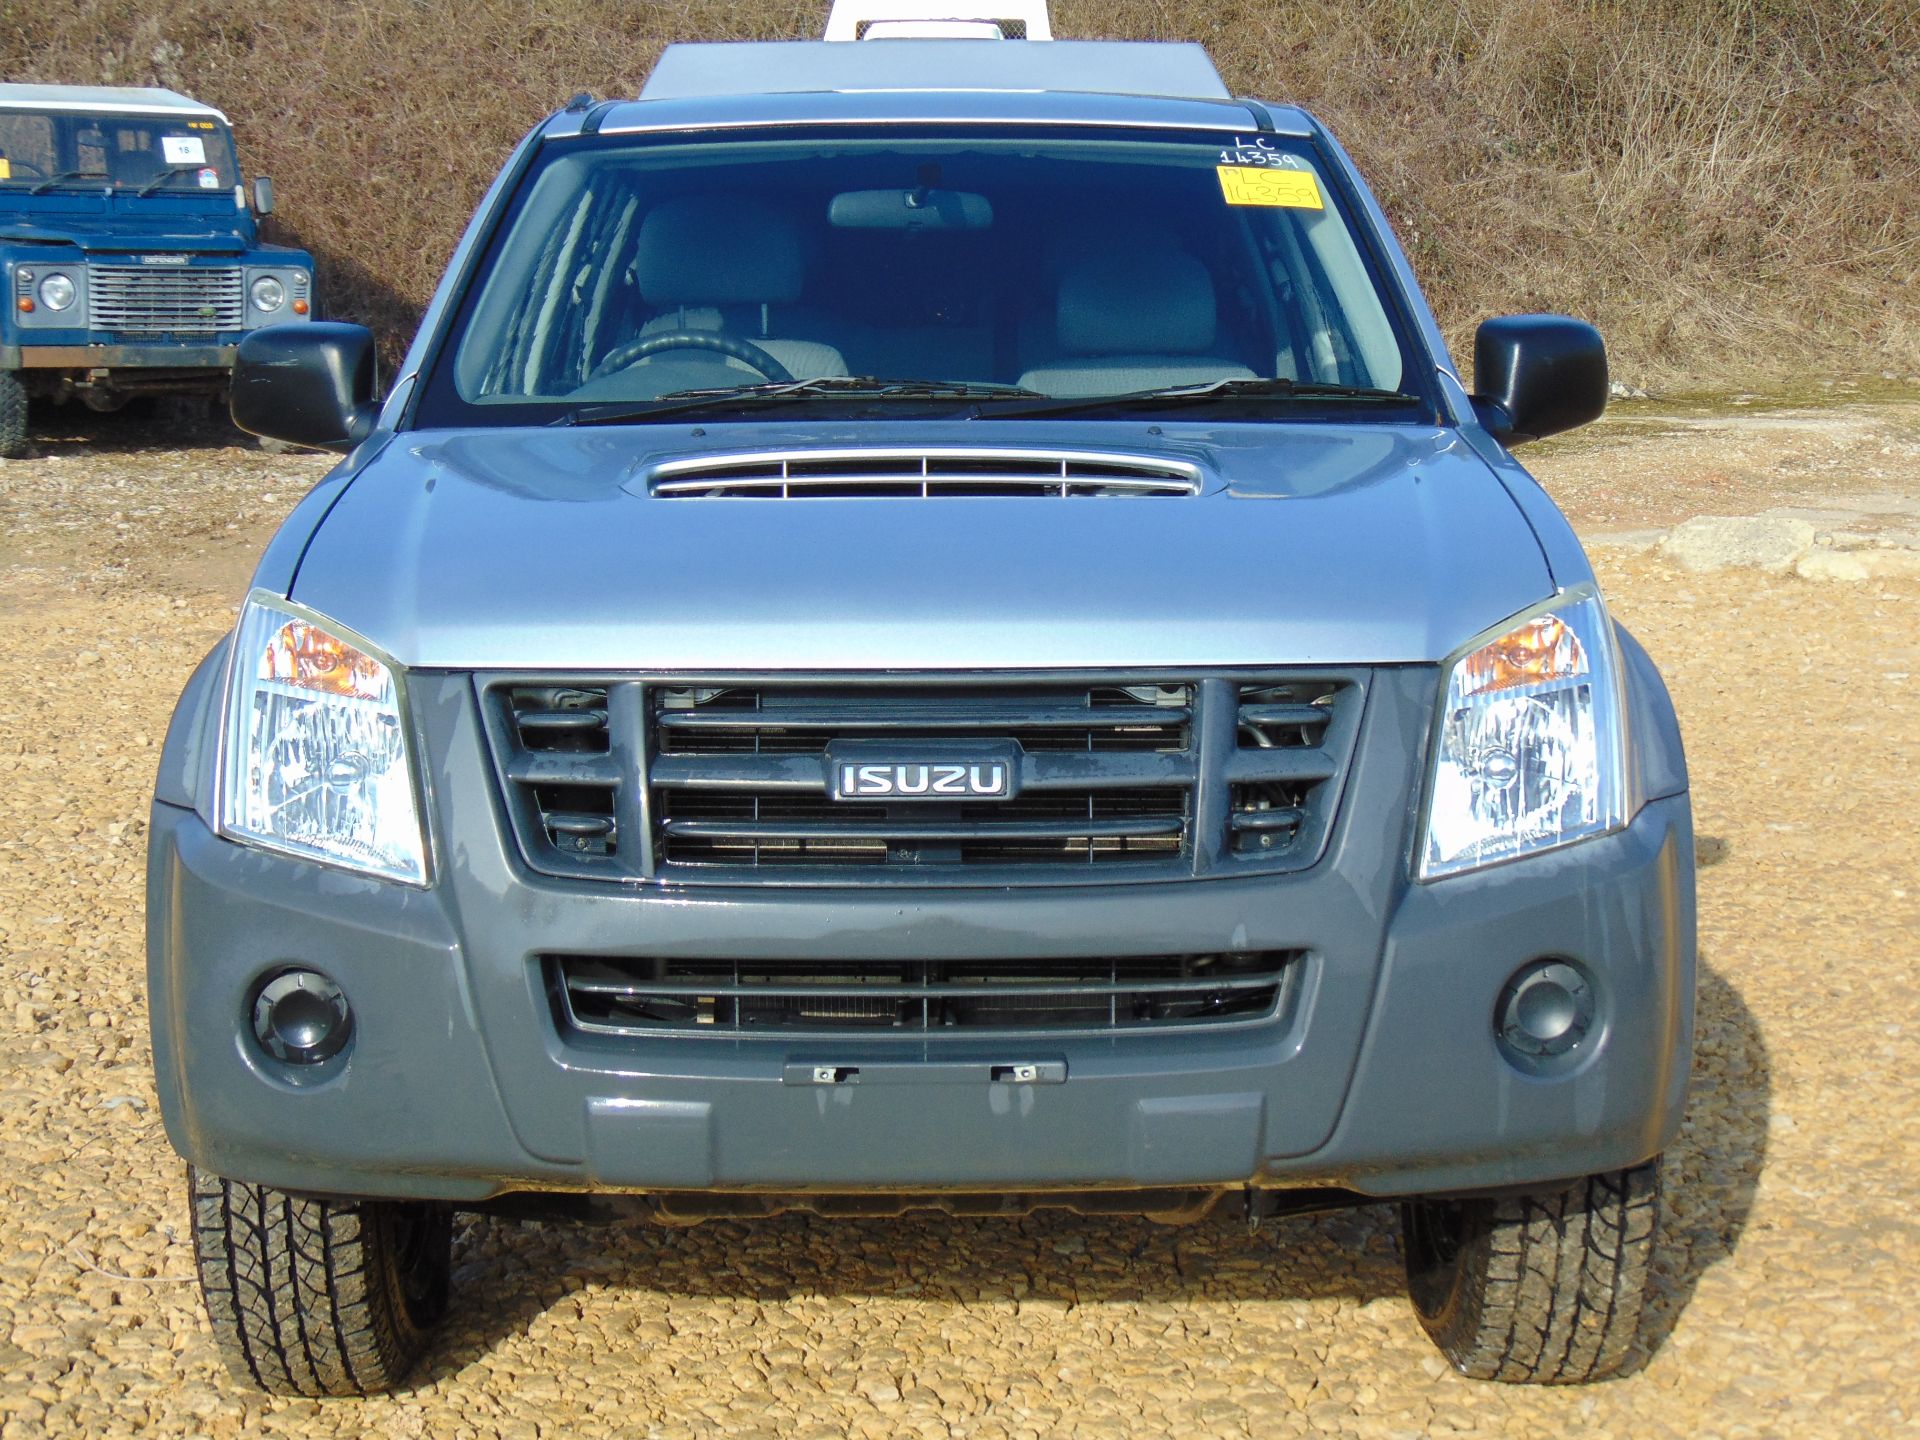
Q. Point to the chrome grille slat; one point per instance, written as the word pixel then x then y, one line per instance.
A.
pixel 193 300
pixel 897 830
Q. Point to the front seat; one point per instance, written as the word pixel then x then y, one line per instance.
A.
pixel 1138 318
pixel 719 263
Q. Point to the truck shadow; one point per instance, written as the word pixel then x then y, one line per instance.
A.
pixel 506 1275
pixel 1714 1167
pixel 160 422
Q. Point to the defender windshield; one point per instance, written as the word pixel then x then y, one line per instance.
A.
pixel 1066 272
pixel 42 151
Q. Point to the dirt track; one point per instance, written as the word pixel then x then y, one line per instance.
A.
pixel 1786 1302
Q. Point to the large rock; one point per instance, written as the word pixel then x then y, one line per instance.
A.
pixel 1719 542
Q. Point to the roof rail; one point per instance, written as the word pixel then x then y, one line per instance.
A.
pixel 938 19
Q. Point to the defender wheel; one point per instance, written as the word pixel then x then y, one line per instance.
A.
pixel 1541 1289
pixel 13 416
pixel 317 1297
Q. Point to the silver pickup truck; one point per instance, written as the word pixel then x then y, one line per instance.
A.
pixel 927 622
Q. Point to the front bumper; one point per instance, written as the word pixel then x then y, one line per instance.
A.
pixel 155 354
pixel 1382 1075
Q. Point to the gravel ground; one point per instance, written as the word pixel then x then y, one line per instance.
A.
pixel 1787 1298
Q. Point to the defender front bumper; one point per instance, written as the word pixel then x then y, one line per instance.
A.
pixel 117 357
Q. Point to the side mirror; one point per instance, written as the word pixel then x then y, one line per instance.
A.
pixel 1536 375
pixel 310 384
pixel 262 195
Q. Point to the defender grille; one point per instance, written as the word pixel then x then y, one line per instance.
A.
pixel 729 782
pixel 843 474
pixel 624 996
pixel 176 300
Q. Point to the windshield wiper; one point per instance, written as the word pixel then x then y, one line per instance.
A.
pixel 157 181
pixel 62 178
pixel 1281 389
pixel 681 402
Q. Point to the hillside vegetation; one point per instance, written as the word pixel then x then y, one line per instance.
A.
pixel 1730 188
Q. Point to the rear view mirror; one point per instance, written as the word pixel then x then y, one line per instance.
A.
pixel 910 210
pixel 262 195
pixel 310 384
pixel 1536 375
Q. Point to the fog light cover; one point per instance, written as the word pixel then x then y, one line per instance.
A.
pixel 300 1017
pixel 1529 752
pixel 317 762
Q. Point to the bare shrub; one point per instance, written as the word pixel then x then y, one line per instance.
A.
pixel 1731 188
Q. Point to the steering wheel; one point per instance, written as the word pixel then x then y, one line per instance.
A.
pixel 19 165
pixel 631 352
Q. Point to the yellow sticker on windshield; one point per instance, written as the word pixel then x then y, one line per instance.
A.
pixel 6 170
pixel 1259 185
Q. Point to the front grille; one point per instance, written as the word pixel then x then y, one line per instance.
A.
pixel 628 996
pixel 730 782
pixel 175 300
pixel 844 474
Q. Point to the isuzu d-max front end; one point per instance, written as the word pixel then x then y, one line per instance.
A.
pixel 925 623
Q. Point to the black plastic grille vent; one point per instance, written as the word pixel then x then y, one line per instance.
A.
pixel 728 783
pixel 563 781
pixel 844 474
pixel 626 996
pixel 1299 734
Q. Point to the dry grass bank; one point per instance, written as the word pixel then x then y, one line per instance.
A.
pixel 1731 188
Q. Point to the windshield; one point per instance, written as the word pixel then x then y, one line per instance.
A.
pixel 46 150
pixel 1096 272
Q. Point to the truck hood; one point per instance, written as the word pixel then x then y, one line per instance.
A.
pixel 542 549
pixel 124 233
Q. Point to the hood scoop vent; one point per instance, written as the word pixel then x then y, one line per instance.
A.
pixel 920 474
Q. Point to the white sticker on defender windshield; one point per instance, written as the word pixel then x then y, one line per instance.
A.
pixel 183 150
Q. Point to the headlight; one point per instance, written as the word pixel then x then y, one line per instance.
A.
pixel 1530 751
pixel 316 759
pixel 268 294
pixel 57 291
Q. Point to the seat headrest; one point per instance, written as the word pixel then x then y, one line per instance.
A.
pixel 1142 300
pixel 718 250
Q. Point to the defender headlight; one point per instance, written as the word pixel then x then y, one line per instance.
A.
pixel 316 759
pixel 57 291
pixel 268 294
pixel 1530 751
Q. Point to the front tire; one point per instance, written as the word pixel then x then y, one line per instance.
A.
pixel 13 416
pixel 1545 1288
pixel 319 1297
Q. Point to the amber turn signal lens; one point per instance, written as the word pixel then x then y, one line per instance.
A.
pixel 299 307
pixel 26 305
pixel 1530 654
pixel 307 656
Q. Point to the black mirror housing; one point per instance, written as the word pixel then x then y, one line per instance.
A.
pixel 1536 375
pixel 309 384
pixel 262 195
